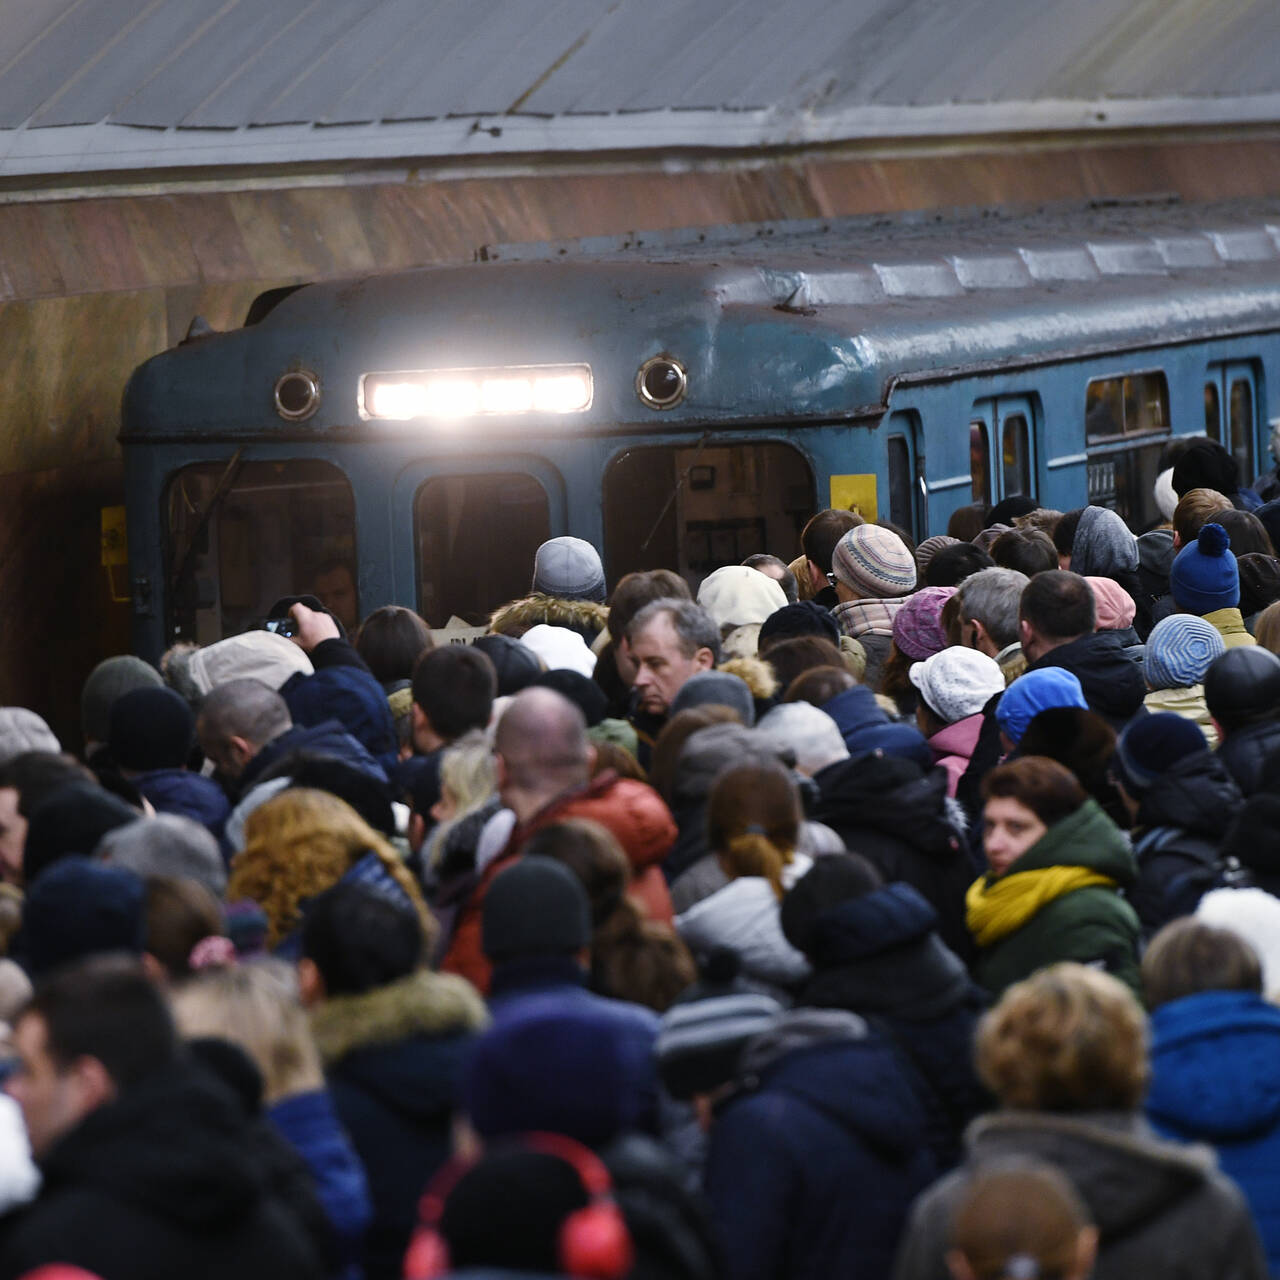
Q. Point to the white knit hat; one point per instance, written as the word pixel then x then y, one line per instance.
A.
pixel 957 682
pixel 560 649
pixel 737 596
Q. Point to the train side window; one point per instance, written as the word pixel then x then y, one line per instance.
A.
pixel 1241 412
pixel 979 461
pixel 475 537
pixel 1212 412
pixel 242 536
pixel 901 507
pixel 1016 456
pixel 1130 405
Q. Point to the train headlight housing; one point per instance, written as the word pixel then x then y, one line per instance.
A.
pixel 297 394
pixel 450 394
pixel 661 382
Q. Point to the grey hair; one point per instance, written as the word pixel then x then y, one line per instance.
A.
pixel 246 709
pixel 991 597
pixel 695 628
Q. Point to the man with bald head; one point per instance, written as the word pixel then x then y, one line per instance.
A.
pixel 545 764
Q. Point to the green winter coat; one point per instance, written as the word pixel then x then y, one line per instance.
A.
pixel 1093 925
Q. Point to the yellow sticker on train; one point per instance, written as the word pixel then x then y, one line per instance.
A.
pixel 855 493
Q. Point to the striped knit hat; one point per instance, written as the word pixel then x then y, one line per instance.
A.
pixel 874 562
pixel 1180 650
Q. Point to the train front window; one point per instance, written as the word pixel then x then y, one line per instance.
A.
pixel 242 535
pixel 1134 404
pixel 697 507
pixel 1016 457
pixel 475 538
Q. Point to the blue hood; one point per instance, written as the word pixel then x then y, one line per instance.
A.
pixel 1215 1066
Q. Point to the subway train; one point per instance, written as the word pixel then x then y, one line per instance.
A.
pixel 686 399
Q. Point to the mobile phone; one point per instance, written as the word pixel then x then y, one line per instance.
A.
pixel 287 627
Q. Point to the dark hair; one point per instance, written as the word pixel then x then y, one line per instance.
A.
pixel 1029 551
pixel 953 564
pixel 1064 532
pixel 1259 582
pixel 636 590
pixel 391 640
pixel 1048 789
pixel 1059 605
pixel 1246 533
pixel 35 775
pixel 455 686
pixel 819 537
pixel 359 940
pixel 1188 956
pixel 790 658
pixel 180 913
pixel 786 580
pixel 967 522
pixel 106 1008
pixel 818 685
pixel 1206 465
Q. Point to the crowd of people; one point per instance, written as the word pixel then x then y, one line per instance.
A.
pixel 889 911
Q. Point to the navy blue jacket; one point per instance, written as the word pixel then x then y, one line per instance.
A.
pixel 189 794
pixel 814 1163
pixel 1112 682
pixel 879 956
pixel 308 1122
pixel 342 688
pixel 1215 1078
pixel 328 738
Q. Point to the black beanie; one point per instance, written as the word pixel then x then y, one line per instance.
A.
pixel 537 907
pixel 1008 510
pixel 506 1212
pixel 831 881
pixel 151 728
pixel 71 819
pixel 582 691
pixel 516 664
pixel 1206 465
pixel 803 619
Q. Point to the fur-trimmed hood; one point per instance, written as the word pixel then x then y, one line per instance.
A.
pixel 583 616
pixel 756 673
pixel 425 1003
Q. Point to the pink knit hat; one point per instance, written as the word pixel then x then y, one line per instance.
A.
pixel 1113 604
pixel 917 626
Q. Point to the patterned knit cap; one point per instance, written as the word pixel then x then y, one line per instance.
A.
pixel 1180 650
pixel 917 626
pixel 874 562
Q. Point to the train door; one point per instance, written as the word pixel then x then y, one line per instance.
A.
pixel 474 526
pixel 1002 448
pixel 905 465
pixel 1232 411
pixel 696 507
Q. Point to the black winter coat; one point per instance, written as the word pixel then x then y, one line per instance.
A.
pixel 1249 755
pixel 879 956
pixel 896 815
pixel 1182 819
pixel 160 1183
pixel 1112 682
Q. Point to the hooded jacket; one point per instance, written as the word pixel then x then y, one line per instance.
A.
pixel 328 738
pixel 393 1058
pixel 1215 1078
pixel 585 617
pixel 1112 682
pixel 1162 1210
pixel 814 1161
pixel 1182 819
pixel 896 815
pixel 1092 924
pixel 636 815
pixel 342 688
pixel 161 1182
pixel 879 956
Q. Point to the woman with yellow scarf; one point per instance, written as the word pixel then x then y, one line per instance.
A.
pixel 1056 866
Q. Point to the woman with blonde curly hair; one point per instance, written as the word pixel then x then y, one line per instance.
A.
pixel 302 842
pixel 1065 1053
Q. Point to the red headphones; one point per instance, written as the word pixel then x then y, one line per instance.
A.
pixel 593 1243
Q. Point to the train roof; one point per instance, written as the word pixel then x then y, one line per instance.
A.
pixel 835 308
pixel 93 85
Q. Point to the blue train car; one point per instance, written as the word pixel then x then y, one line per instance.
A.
pixel 687 400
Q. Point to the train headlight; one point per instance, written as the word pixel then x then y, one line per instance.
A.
pixel 466 393
pixel 661 382
pixel 297 395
